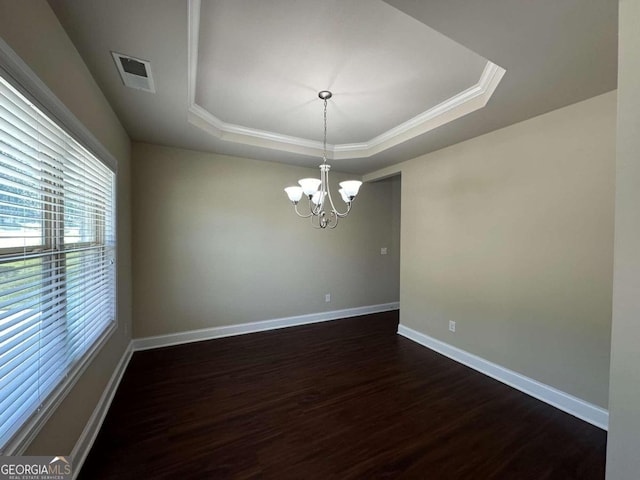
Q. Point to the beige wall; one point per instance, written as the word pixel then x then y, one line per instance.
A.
pixel 623 461
pixel 34 33
pixel 396 214
pixel 216 242
pixel 511 235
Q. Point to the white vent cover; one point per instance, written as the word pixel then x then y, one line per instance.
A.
pixel 135 73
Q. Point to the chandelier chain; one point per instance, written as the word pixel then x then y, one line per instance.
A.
pixel 324 144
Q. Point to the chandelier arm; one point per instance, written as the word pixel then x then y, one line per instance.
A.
pixel 314 209
pixel 342 215
pixel 295 207
pixel 335 210
pixel 324 176
pixel 335 223
pixel 321 219
pixel 328 220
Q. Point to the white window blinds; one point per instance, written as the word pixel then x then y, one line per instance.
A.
pixel 57 252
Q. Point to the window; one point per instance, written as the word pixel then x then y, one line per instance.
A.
pixel 57 255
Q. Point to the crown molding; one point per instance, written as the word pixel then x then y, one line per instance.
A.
pixel 455 107
pixel 463 103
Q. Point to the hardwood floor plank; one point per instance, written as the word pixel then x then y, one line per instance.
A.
pixel 344 399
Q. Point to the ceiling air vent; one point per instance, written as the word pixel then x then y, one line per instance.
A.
pixel 135 73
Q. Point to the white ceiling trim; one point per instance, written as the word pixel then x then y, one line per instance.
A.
pixel 455 107
pixel 463 103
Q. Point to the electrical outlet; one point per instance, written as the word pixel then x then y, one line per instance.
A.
pixel 327 297
pixel 452 326
pixel 383 251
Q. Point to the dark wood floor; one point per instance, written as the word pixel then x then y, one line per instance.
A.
pixel 343 399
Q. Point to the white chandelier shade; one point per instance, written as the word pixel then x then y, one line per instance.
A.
pixel 322 211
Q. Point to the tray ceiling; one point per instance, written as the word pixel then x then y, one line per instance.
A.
pixel 256 67
pixel 249 88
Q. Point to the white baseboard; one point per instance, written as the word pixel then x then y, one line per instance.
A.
pixel 158 341
pixel 577 407
pixel 91 429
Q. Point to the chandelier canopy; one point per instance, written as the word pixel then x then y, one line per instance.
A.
pixel 322 211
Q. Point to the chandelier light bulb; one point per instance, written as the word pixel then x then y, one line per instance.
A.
pixel 309 185
pixel 351 187
pixel 318 197
pixel 345 197
pixel 294 193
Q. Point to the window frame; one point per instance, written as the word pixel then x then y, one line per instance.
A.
pixel 20 76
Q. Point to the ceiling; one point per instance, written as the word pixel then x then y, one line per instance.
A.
pixel 385 83
pixel 241 77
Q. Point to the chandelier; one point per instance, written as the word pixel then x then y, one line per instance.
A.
pixel 322 212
